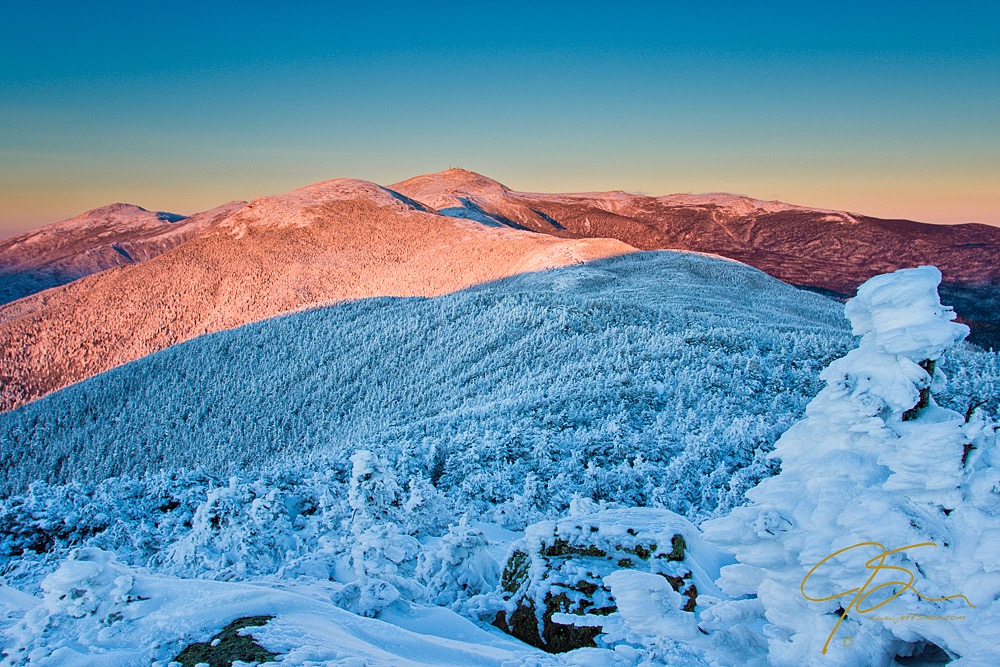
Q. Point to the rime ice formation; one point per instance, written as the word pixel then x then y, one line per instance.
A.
pixel 652 379
pixel 874 461
pixel 901 314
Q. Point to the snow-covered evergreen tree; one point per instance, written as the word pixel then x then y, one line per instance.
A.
pixel 383 556
pixel 374 495
pixel 524 507
pixel 425 507
pixel 459 567
pixel 875 462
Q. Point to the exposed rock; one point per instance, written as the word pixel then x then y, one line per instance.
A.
pixel 556 572
pixel 228 646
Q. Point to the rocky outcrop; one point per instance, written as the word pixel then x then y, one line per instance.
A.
pixel 553 579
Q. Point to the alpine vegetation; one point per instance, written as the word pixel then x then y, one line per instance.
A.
pixel 651 379
pixel 395 481
pixel 880 536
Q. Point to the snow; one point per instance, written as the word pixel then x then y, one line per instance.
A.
pixel 561 399
pixel 693 363
pixel 467 213
pixel 903 315
pixel 649 605
pixel 869 466
pixel 298 207
pixel 96 611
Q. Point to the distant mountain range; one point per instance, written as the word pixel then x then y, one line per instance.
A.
pixel 829 251
pixel 337 240
pixel 105 238
pixel 118 283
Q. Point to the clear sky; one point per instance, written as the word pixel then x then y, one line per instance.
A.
pixel 890 109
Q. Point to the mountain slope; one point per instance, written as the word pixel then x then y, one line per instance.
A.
pixel 336 240
pixel 94 241
pixel 350 239
pixel 465 194
pixel 652 354
pixel 832 251
pixel 649 378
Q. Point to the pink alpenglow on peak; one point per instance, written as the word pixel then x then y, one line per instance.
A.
pixel 323 243
pixel 98 240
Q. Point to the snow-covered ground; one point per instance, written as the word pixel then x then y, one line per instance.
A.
pixel 655 375
pixel 359 474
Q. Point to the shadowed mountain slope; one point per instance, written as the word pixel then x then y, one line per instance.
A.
pixel 658 377
pixel 157 280
pixel 341 239
pixel 829 251
pixel 105 238
pixel 651 354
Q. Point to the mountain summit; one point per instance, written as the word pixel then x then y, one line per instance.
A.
pixel 825 250
pixel 95 241
pixel 326 242
pixel 140 281
pixel 460 193
pixel 817 248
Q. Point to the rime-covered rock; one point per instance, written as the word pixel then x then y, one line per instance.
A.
pixel 555 580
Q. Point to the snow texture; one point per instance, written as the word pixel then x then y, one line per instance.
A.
pixel 658 378
pixel 870 466
pixel 95 611
pixel 331 456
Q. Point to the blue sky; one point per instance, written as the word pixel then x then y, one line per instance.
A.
pixel 889 109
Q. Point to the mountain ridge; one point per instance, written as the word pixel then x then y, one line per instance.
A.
pixel 97 240
pixel 347 238
pixel 737 226
pixel 328 242
pixel 822 250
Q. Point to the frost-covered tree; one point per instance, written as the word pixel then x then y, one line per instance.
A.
pixel 882 497
pixel 524 507
pixel 384 560
pixel 459 567
pixel 374 494
pixel 426 509
pixel 383 556
pixel 237 529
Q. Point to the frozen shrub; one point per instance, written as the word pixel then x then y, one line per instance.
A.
pixel 459 566
pixel 384 557
pixel 88 598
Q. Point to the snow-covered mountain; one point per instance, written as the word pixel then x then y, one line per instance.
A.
pixel 654 351
pixel 178 278
pixel 380 457
pixel 693 364
pixel 101 239
pixel 335 240
pixel 833 251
